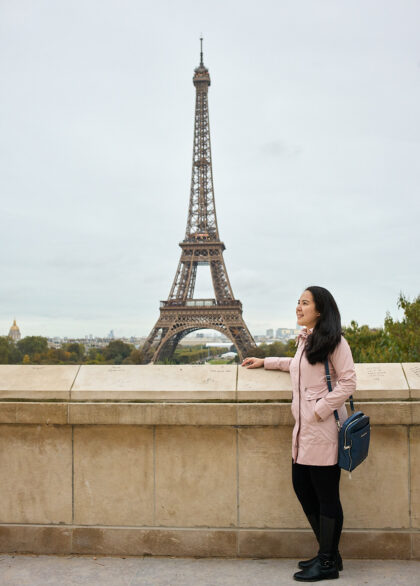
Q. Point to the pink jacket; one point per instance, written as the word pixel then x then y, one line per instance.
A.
pixel 316 442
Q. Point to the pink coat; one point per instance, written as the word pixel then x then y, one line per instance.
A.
pixel 316 442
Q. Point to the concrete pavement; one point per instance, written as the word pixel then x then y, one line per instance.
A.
pixel 23 570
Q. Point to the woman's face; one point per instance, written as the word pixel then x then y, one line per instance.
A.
pixel 306 312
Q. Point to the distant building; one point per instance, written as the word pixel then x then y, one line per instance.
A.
pixel 92 342
pixel 286 333
pixel 54 342
pixel 270 333
pixel 229 355
pixel 14 332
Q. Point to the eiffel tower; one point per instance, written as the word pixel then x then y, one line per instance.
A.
pixel 181 314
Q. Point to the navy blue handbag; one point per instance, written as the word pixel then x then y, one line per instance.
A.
pixel 353 434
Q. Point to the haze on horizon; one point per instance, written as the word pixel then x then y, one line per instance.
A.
pixel 315 135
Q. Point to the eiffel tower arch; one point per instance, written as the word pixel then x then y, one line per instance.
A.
pixel 181 314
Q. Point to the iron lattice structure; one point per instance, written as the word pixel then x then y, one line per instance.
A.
pixel 181 314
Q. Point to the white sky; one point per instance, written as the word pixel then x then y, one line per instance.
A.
pixel 314 114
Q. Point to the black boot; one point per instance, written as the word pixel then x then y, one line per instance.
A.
pixel 325 566
pixel 306 563
pixel 323 569
pixel 314 522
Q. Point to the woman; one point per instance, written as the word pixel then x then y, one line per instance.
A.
pixel 315 472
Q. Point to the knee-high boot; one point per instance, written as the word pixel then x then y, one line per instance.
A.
pixel 325 567
pixel 313 519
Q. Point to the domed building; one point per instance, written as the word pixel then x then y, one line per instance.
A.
pixel 14 332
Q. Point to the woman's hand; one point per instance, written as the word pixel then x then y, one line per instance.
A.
pixel 253 362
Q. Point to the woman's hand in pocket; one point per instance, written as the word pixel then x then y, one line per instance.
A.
pixel 317 417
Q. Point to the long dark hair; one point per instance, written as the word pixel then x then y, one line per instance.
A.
pixel 327 331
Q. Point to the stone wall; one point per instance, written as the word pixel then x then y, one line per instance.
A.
pixel 192 461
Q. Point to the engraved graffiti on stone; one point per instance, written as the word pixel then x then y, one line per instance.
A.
pixel 376 373
pixel 415 370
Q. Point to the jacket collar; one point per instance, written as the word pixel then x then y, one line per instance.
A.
pixel 303 334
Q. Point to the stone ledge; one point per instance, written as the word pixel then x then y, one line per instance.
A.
pixel 38 539
pixel 151 383
pixel 381 381
pixel 263 385
pixel 187 383
pixel 412 373
pixel 209 414
pixel 42 382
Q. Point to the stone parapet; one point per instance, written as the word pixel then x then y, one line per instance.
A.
pixel 191 383
pixel 192 461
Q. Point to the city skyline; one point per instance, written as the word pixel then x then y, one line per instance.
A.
pixel 113 334
pixel 315 138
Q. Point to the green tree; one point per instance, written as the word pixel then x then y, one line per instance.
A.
pixel 32 345
pixel 367 345
pixel 9 354
pixel 274 349
pixel 397 341
pixel 76 350
pixel 136 357
pixel 117 351
pixel 95 356
pixel 404 336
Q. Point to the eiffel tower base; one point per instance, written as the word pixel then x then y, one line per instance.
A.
pixel 174 324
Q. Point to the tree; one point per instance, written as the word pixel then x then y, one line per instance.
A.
pixel 367 345
pixel 117 351
pixel 76 350
pixel 404 336
pixel 136 357
pixel 32 345
pixel 95 356
pixel 274 349
pixel 397 341
pixel 9 354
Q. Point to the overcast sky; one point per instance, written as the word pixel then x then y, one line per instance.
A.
pixel 315 129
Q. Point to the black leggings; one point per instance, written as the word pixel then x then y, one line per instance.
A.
pixel 318 490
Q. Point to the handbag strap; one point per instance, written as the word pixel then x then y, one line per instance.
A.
pixel 328 377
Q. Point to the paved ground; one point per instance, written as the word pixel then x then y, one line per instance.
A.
pixel 22 570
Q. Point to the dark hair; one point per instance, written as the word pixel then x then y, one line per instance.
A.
pixel 327 332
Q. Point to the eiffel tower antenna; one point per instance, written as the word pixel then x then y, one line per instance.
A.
pixel 181 313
